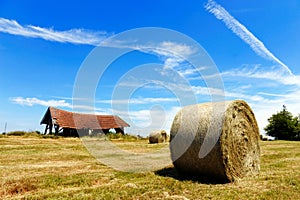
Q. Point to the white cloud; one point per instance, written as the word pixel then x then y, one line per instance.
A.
pixel 168 49
pixel 142 121
pixel 35 101
pixel 165 48
pixel 264 109
pixel 259 73
pixel 145 121
pixel 171 53
pixel 205 91
pixel 263 104
pixel 138 100
pixel 241 31
pixel 190 72
pixel 62 103
pixel 75 36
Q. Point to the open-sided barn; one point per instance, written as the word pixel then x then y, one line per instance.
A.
pixel 74 124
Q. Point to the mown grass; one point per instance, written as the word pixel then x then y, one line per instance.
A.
pixel 47 168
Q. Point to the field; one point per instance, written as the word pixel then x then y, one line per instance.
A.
pixel 61 168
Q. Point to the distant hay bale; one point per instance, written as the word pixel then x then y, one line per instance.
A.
pixel 235 154
pixel 158 136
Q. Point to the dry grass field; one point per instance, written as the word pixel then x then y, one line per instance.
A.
pixel 46 168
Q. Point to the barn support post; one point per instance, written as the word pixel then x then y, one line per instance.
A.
pixel 105 131
pixel 120 130
pixel 50 128
pixel 46 129
pixel 56 128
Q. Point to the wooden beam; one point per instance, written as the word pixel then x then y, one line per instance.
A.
pixel 46 128
pixel 56 128
pixel 120 130
pixel 50 128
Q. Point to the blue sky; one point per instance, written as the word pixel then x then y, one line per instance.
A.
pixel 255 46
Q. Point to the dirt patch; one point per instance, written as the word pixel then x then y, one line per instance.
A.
pixel 18 187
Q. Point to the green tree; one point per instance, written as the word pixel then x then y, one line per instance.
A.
pixel 297 130
pixel 283 125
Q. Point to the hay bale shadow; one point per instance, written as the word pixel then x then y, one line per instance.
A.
pixel 173 173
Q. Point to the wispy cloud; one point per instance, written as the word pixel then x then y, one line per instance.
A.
pixel 171 53
pixel 61 103
pixel 74 36
pixel 272 103
pixel 138 101
pixel 263 104
pixel 241 31
pixel 35 101
pixel 145 121
pixel 169 49
pixel 205 91
pixel 142 121
pixel 258 72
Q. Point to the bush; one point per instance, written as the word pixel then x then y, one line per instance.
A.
pixel 112 136
pixel 24 133
pixel 16 133
pixel 50 136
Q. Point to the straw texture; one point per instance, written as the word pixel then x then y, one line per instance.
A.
pixel 234 154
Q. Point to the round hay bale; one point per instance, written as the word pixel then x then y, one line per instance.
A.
pixel 158 136
pixel 230 128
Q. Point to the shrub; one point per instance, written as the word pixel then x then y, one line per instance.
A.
pixel 16 133
pixel 24 133
pixel 126 136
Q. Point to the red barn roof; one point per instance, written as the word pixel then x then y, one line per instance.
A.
pixel 66 119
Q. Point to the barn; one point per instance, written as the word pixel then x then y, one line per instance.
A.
pixel 78 124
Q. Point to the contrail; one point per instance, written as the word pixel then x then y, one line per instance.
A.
pixel 240 30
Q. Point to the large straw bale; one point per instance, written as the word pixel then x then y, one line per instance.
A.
pixel 236 152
